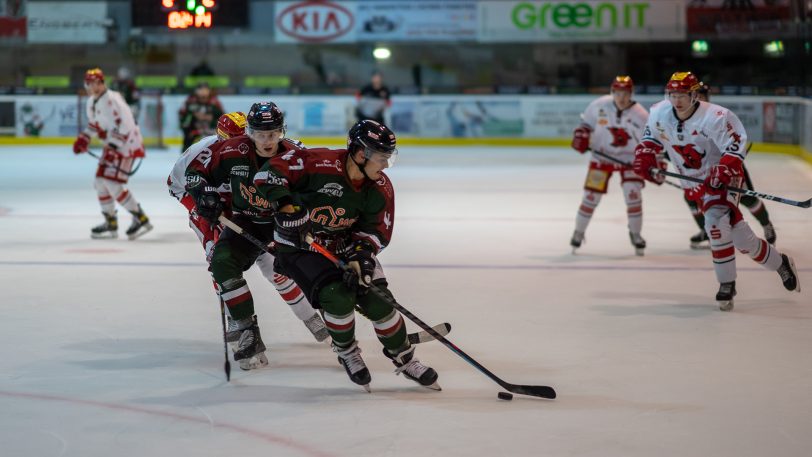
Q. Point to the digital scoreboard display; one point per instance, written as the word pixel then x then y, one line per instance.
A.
pixel 189 14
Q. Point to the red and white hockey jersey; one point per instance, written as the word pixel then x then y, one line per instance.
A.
pixel 697 143
pixel 177 179
pixel 614 132
pixel 111 119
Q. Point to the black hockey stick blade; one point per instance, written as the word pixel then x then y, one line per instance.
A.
pixel 227 368
pixel 424 336
pixel 533 391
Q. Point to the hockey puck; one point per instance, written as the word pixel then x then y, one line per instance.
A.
pixel 505 396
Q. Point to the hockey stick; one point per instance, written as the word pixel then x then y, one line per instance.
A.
pixel 414 338
pixel 534 391
pixel 227 365
pixel 752 193
pixel 626 164
pixel 128 173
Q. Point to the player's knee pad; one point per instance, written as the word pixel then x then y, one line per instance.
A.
pixel 632 192
pixel 744 238
pixel 265 264
pixel 336 299
pixel 100 185
pixel 717 224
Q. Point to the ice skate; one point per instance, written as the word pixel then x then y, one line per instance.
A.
pixel 769 233
pixel 350 359
pixel 413 369
pixel 700 240
pixel 139 226
pixel 108 229
pixel 638 242
pixel 727 290
pixel 788 273
pixel 250 351
pixel 317 328
pixel 577 240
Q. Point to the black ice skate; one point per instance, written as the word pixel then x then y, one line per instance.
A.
pixel 788 273
pixel 250 351
pixel 638 242
pixel 350 359
pixel 769 233
pixel 140 224
pixel 577 240
pixel 317 327
pixel 700 240
pixel 413 369
pixel 108 229
pixel 727 290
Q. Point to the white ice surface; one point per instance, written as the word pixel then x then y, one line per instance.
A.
pixel 112 347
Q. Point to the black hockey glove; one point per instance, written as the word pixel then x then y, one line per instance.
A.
pixel 292 228
pixel 208 204
pixel 361 259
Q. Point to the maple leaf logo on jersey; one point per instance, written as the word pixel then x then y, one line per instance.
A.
pixel 690 156
pixel 620 137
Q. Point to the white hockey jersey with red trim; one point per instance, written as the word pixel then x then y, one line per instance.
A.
pixel 614 132
pixel 177 179
pixel 111 119
pixel 697 143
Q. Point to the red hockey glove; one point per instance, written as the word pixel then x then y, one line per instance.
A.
pixel 722 173
pixel 695 194
pixel 580 139
pixel 645 162
pixel 81 144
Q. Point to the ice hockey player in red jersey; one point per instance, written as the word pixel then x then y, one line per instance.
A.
pixel 708 142
pixel 343 198
pixel 231 164
pixel 753 204
pixel 231 125
pixel 109 117
pixel 612 125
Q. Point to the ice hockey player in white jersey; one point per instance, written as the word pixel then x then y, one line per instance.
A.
pixel 612 124
pixel 109 117
pixel 231 125
pixel 753 204
pixel 708 142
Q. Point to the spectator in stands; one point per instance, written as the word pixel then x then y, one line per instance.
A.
pixel 373 99
pixel 125 85
pixel 199 114
pixel 202 69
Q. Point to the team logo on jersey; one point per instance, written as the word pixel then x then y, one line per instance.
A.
pixel 690 156
pixel 243 148
pixel 240 170
pixel 249 193
pixel 331 218
pixel 387 219
pixel 620 137
pixel 332 188
pixel 325 163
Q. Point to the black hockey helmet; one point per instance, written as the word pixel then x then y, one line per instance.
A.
pixel 265 116
pixel 372 137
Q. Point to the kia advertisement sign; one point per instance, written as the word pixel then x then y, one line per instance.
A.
pixel 315 22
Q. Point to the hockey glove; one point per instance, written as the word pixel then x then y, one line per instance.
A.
pixel 207 202
pixel 645 163
pixel 292 228
pixel 361 259
pixel 580 139
pixel 722 173
pixel 695 194
pixel 81 144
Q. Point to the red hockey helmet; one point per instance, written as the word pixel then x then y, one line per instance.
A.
pixel 684 82
pixel 230 125
pixel 94 74
pixel 623 83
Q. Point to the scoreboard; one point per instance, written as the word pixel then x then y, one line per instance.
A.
pixel 189 14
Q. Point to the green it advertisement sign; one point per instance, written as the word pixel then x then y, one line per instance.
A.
pixel 652 20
